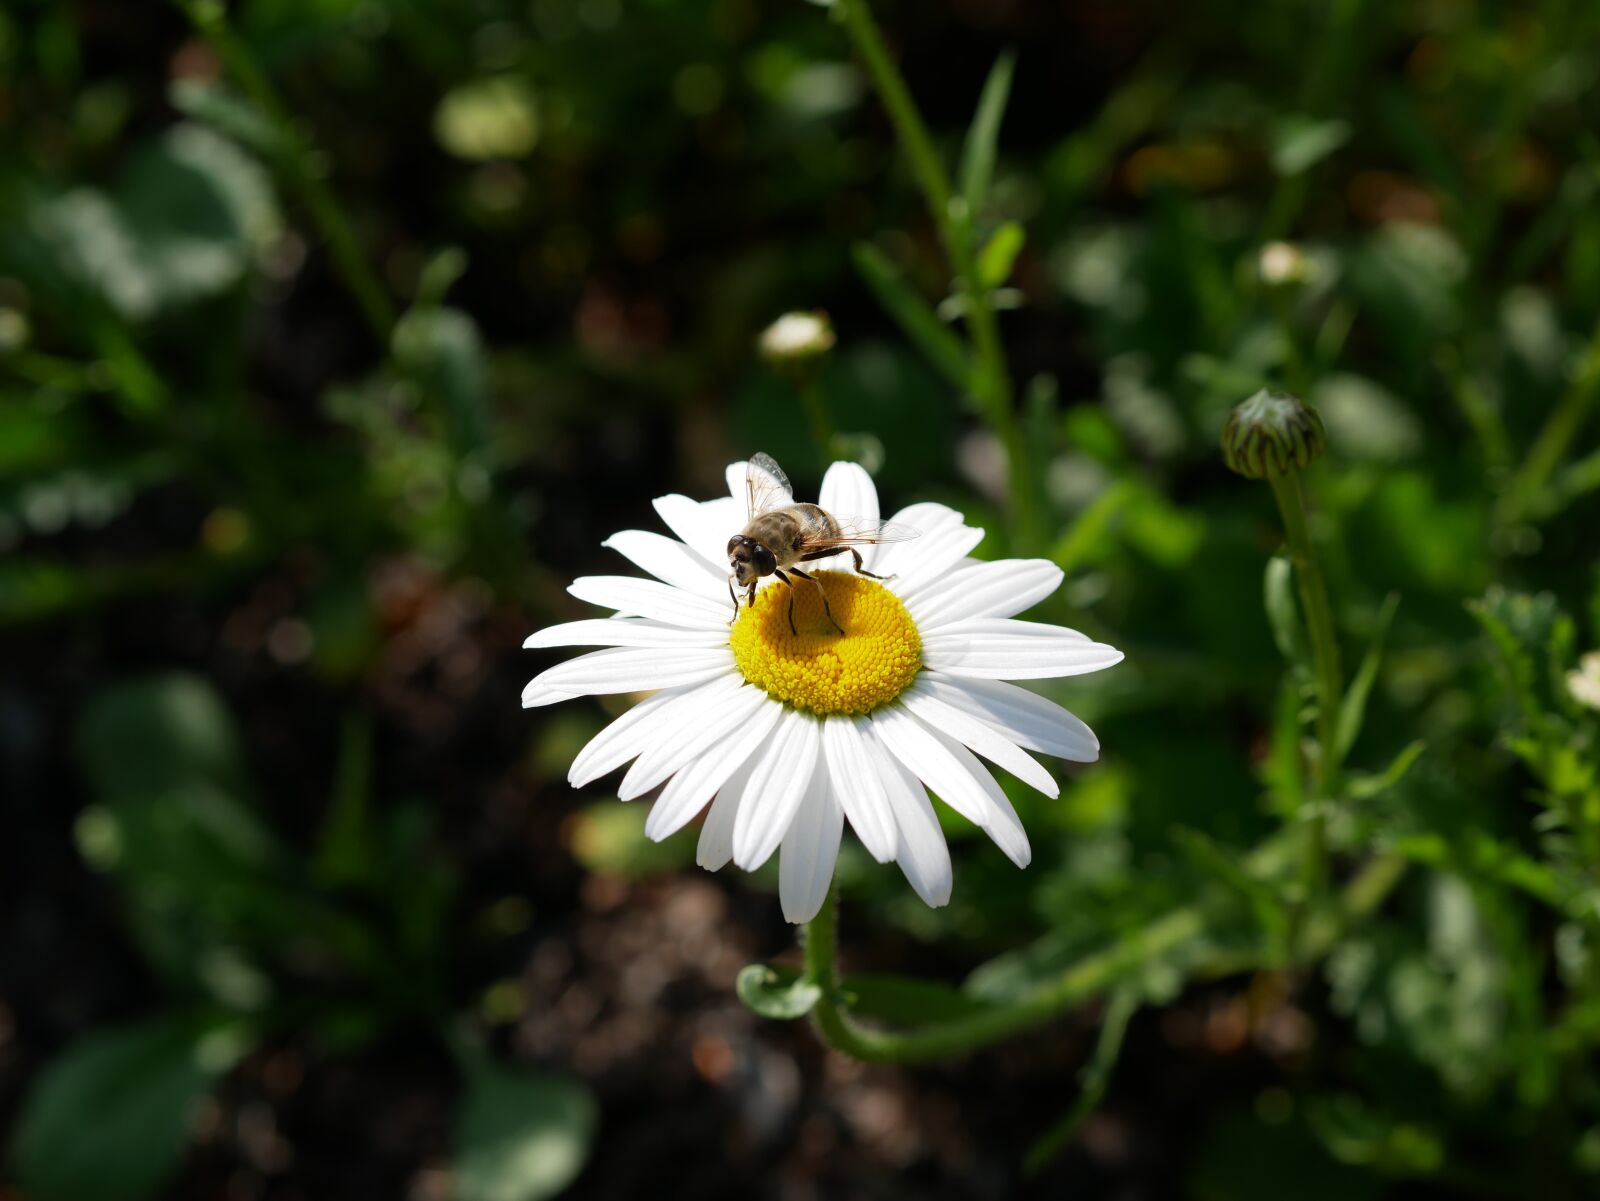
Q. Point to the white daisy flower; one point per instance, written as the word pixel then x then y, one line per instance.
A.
pixel 786 734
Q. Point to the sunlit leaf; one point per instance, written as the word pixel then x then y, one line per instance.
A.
pixel 999 253
pixel 520 1136
pixel 978 155
pixel 1353 708
pixel 108 1118
pixel 907 1000
pixel 779 993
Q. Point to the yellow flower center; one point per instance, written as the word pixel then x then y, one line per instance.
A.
pixel 817 668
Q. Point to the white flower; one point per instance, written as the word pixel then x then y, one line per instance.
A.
pixel 1283 263
pixel 787 735
pixel 1584 683
pixel 797 336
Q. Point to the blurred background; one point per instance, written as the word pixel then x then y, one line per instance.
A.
pixel 335 335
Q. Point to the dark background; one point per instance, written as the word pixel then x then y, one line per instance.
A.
pixel 265 571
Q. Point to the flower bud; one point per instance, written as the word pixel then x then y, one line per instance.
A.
pixel 1584 684
pixel 796 339
pixel 1282 264
pixel 1271 435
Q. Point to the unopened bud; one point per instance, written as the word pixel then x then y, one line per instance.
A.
pixel 1282 264
pixel 1270 435
pixel 1584 684
pixel 796 339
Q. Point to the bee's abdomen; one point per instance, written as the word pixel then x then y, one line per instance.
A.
pixel 817 523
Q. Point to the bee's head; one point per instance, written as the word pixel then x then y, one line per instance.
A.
pixel 749 560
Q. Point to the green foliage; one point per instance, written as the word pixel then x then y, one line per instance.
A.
pixel 334 337
pixel 141 1084
pixel 519 1136
pixel 780 993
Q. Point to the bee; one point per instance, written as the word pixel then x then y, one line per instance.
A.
pixel 781 533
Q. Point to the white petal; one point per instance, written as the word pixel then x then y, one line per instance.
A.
pixel 704 526
pixel 696 732
pixel 776 788
pixel 980 737
pixel 537 696
pixel 688 791
pixel 1000 589
pixel 625 631
pixel 1028 719
pixel 857 784
pixel 927 518
pixel 850 495
pixel 633 732
pixel 628 669
pixel 1003 648
pixel 650 598
pixel 670 561
pixel 920 847
pixel 810 850
pixel 934 556
pixel 715 847
pixel 958 779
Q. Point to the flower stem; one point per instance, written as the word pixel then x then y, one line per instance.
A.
pixel 299 164
pixel 1552 442
pixel 1088 977
pixel 991 382
pixel 817 418
pixel 1290 495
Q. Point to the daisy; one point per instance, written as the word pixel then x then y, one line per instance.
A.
pixel 781 736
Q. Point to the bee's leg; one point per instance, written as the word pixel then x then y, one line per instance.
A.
pixel 790 582
pixel 817 584
pixel 750 597
pixel 860 570
pixel 734 597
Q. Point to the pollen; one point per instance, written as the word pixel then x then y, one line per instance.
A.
pixel 817 668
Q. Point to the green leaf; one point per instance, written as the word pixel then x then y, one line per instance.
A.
pixel 520 1136
pixel 220 107
pixel 1363 787
pixel 908 1001
pixel 1302 142
pixel 1094 1079
pixel 782 994
pixel 345 851
pixel 1353 709
pixel 442 350
pixel 108 1118
pixel 609 837
pixel 1359 1134
pixel 911 313
pixel 999 253
pixel 146 736
pixel 978 155
pixel 1283 616
pixel 1260 898
pixel 1284 770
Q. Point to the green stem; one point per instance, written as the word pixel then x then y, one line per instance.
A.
pixel 1290 495
pixel 1550 446
pixel 817 416
pixel 991 384
pixel 1328 71
pixel 1295 373
pixel 1088 977
pixel 299 163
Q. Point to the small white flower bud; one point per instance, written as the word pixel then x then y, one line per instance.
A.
pixel 1282 264
pixel 796 338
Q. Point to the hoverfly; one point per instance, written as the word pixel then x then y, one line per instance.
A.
pixel 781 533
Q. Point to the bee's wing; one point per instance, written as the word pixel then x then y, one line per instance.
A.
pixel 766 487
pixel 861 533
